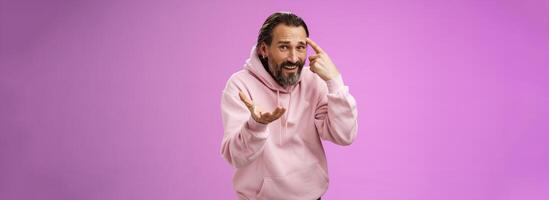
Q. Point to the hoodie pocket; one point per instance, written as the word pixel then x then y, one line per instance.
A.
pixel 308 183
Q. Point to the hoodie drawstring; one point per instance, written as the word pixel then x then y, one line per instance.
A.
pixel 288 113
pixel 283 127
pixel 278 105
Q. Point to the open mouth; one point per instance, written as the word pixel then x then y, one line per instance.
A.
pixel 290 67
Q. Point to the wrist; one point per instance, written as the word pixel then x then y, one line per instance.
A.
pixel 334 84
pixel 257 129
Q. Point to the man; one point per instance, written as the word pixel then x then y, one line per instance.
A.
pixel 276 111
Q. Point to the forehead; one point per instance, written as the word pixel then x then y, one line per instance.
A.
pixel 291 33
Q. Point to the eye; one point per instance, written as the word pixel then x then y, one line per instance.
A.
pixel 283 47
pixel 301 48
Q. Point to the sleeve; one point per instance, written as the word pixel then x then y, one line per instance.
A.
pixel 243 138
pixel 336 113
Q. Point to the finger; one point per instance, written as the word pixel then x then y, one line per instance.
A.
pixel 313 68
pixel 256 115
pixel 314 46
pixel 313 57
pixel 279 113
pixel 245 99
pixel 267 116
pixel 315 64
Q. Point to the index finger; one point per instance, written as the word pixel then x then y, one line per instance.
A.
pixel 245 99
pixel 314 45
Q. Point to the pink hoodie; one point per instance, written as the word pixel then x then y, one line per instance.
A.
pixel 284 159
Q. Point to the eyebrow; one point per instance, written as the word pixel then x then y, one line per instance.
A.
pixel 288 42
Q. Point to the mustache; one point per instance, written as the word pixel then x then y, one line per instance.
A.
pixel 288 63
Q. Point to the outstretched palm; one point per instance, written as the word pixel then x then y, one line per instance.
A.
pixel 258 114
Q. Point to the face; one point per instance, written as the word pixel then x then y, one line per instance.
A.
pixel 287 53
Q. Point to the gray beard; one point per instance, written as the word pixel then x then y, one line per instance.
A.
pixel 292 79
pixel 287 81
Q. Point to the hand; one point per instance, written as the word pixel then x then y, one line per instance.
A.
pixel 321 64
pixel 257 114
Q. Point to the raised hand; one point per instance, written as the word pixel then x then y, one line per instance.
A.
pixel 320 63
pixel 257 114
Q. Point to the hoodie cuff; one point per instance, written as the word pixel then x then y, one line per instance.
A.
pixel 334 84
pixel 257 129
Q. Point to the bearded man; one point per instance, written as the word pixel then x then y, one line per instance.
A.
pixel 276 112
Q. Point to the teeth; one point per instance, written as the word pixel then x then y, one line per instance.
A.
pixel 287 67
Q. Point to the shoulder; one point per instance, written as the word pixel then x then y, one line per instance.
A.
pixel 238 80
pixel 240 75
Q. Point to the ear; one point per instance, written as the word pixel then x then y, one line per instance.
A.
pixel 263 50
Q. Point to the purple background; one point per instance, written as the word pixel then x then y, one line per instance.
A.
pixel 121 99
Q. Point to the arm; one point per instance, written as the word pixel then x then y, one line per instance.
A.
pixel 245 127
pixel 336 113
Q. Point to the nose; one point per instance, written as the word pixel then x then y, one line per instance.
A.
pixel 293 56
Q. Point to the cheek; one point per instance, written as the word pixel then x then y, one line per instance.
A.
pixel 303 57
pixel 273 64
pixel 277 58
pixel 276 55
